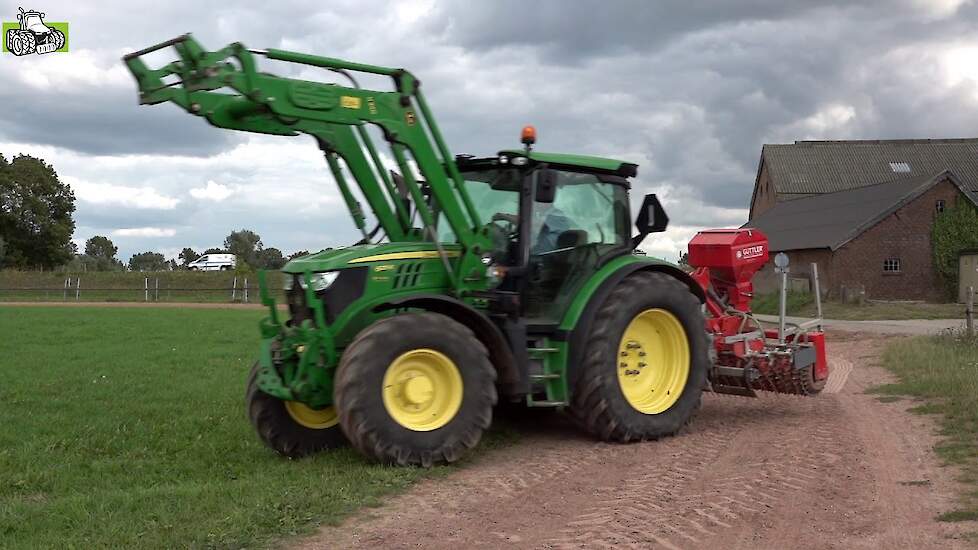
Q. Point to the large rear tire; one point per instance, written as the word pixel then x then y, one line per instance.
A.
pixel 645 362
pixel 58 38
pixel 415 389
pixel 288 427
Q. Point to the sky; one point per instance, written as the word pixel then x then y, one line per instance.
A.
pixel 689 91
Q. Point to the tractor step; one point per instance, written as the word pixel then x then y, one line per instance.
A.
pixel 544 376
pixel 531 403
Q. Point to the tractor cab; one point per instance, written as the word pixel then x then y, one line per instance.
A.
pixel 34 22
pixel 555 219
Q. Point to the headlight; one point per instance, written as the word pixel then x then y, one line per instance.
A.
pixel 320 281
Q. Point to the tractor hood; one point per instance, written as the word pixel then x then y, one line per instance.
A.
pixel 366 254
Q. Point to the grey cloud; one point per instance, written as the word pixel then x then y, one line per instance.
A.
pixel 106 123
pixel 571 31
pixel 689 90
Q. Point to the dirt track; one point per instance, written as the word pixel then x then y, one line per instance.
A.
pixel 838 471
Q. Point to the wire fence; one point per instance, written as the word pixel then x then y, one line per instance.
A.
pixel 152 289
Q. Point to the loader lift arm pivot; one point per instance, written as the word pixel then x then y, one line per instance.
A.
pixel 269 104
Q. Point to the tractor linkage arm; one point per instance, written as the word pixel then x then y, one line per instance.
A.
pixel 336 116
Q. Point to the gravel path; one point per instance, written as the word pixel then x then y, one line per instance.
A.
pixel 840 470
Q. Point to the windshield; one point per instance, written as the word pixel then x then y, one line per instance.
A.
pixel 492 192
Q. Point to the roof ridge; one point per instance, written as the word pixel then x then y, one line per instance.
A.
pixel 899 141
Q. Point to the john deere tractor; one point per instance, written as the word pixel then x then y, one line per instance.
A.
pixel 512 278
pixel 33 36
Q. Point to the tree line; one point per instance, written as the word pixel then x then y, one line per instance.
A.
pixel 100 255
pixel 36 226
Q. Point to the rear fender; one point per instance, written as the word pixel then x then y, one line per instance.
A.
pixel 581 314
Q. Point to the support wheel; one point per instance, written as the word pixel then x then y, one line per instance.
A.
pixel 645 363
pixel 289 427
pixel 415 389
pixel 810 386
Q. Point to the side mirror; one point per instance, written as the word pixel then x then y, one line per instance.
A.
pixel 546 185
pixel 651 218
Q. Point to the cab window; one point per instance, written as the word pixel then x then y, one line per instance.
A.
pixel 585 211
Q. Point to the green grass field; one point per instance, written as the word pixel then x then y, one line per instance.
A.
pixel 944 370
pixel 803 305
pixel 125 427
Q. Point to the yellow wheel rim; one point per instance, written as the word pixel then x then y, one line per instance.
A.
pixel 653 361
pixel 422 390
pixel 314 419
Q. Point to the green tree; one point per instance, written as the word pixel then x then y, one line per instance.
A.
pixel 954 230
pixel 270 258
pixel 298 253
pixel 35 213
pixel 100 252
pixel 245 244
pixel 147 261
pixel 188 255
pixel 3 250
pixel 215 251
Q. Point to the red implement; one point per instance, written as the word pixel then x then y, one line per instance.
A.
pixel 750 357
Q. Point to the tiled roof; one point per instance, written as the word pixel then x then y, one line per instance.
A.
pixel 811 167
pixel 832 219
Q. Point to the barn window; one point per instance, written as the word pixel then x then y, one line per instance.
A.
pixel 939 205
pixel 891 265
pixel 900 167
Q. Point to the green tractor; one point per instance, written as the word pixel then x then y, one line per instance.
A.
pixel 33 36
pixel 513 278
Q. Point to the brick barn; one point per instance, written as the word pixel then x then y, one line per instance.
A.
pixel 862 211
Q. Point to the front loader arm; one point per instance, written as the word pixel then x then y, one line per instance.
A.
pixel 270 104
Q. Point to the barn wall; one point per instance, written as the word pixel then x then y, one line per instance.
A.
pixel 904 234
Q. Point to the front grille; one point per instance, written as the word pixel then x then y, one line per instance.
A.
pixel 346 289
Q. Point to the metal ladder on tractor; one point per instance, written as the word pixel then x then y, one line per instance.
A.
pixel 553 377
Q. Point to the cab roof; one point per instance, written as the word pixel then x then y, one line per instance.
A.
pixel 602 164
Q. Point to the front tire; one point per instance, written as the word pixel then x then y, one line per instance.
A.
pixel 415 389
pixel 289 427
pixel 645 361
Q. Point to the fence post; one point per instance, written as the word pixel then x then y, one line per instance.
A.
pixel 818 294
pixel 67 284
pixel 157 289
pixel 246 290
pixel 145 289
pixel 77 288
pixel 969 312
pixel 234 288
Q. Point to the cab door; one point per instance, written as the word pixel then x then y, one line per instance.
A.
pixel 587 224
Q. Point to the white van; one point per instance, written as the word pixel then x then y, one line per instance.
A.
pixel 213 262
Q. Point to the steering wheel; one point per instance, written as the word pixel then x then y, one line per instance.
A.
pixel 508 225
